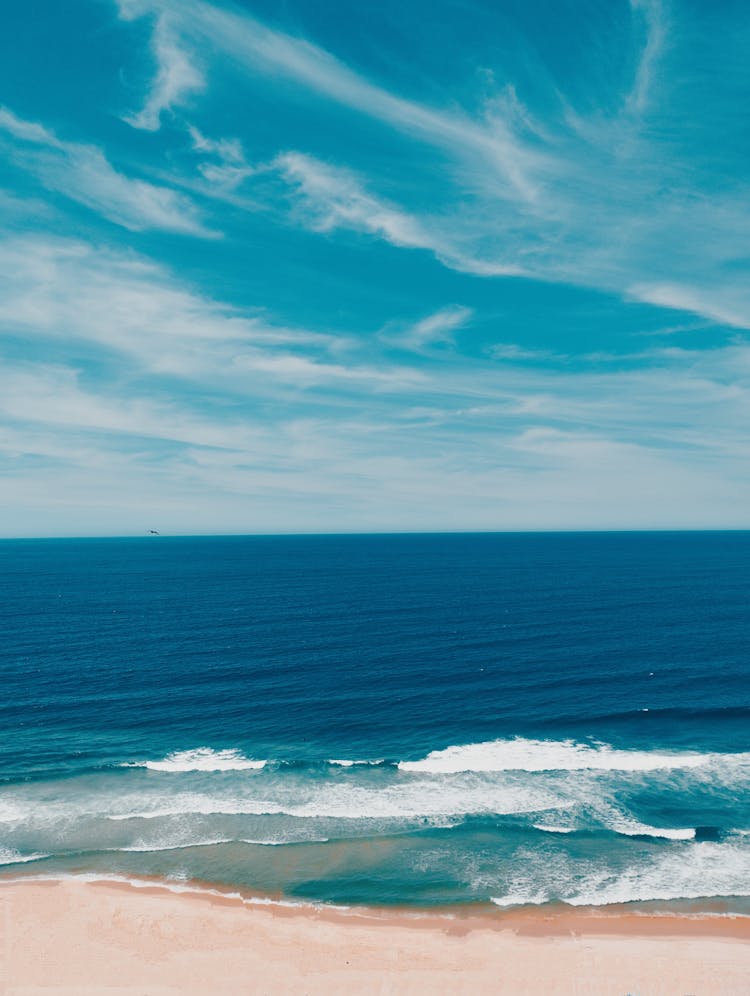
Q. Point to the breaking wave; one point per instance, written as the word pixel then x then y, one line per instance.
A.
pixel 706 871
pixel 520 820
pixel 519 754
pixel 9 856
pixel 201 759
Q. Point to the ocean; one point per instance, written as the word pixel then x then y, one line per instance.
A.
pixel 416 720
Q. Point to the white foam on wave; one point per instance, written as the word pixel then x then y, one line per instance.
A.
pixel 11 811
pixel 629 828
pixel 632 828
pixel 520 754
pixel 351 764
pixel 706 870
pixel 9 856
pixel 189 888
pixel 170 885
pixel 696 871
pixel 141 847
pixel 521 897
pixel 201 759
pixel 407 800
pixel 151 848
pixel 280 843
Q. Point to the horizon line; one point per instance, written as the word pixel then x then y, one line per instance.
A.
pixel 616 530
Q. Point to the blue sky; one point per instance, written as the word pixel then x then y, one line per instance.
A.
pixel 313 266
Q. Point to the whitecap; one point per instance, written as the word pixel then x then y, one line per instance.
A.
pixel 521 897
pixel 631 828
pixel 148 848
pixel 9 856
pixel 691 871
pixel 520 754
pixel 699 871
pixel 406 800
pixel 201 759
pixel 280 843
pixel 351 764
pixel 152 847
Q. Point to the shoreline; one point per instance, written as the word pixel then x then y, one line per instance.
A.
pixel 655 918
pixel 68 934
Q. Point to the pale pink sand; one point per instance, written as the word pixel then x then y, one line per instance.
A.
pixel 77 938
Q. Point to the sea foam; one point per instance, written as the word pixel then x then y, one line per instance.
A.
pixel 520 754
pixel 201 759
pixel 351 764
pixel 631 828
pixel 9 856
pixel 695 871
pixel 706 870
pixel 409 800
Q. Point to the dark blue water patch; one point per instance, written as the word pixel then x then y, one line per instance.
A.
pixel 304 646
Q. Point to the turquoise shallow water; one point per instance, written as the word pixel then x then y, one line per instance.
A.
pixel 421 720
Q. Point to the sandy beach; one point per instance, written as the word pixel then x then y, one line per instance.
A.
pixel 75 937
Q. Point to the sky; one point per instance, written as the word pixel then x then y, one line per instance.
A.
pixel 308 266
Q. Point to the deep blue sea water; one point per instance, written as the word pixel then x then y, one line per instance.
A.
pixel 412 719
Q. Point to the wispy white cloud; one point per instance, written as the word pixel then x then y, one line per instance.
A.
pixel 83 173
pixel 178 74
pixel 523 193
pixel 513 351
pixel 15 210
pixel 654 20
pixel 226 166
pixel 439 327
pixel 330 197
pixel 270 413
pixel 53 395
pixel 155 394
pixel 537 194
pixel 70 290
pixel 726 305
pixel 258 48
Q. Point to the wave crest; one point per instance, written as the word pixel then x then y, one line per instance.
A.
pixel 201 759
pixel 705 871
pixel 520 754
pixel 9 856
